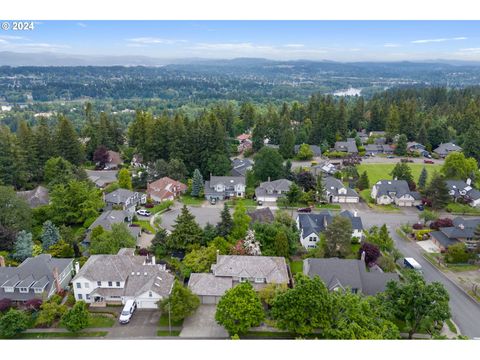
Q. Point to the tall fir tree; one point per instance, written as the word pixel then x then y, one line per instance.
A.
pixel 224 227
pixel 363 182
pixel 422 179
pixel 23 246
pixel 392 123
pixel 437 192
pixel 287 143
pixel 186 232
pixel 197 183
pixel 67 142
pixel 50 235
pixel 401 148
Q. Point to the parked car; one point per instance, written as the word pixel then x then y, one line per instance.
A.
pixel 213 201
pixel 406 160
pixel 127 312
pixel 390 157
pixel 260 202
pixel 420 207
pixel 428 161
pixel 304 210
pixel 143 212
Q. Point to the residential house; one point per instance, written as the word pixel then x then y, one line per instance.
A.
pixel 373 149
pixel 270 191
pixel 230 270
pixel 110 217
pixel 463 230
pixel 348 146
pixel 225 187
pixel 312 225
pixel 137 161
pixel 36 197
pixel 317 152
pixel 444 149
pixel 125 199
pixel 262 215
pixel 377 133
pixel 348 275
pixel 100 178
pixel 115 279
pixel 36 277
pixel 336 192
pixel 380 141
pixel 325 167
pixel 114 160
pixel 245 142
pixel 396 192
pixel 415 147
pixel 463 190
pixel 240 166
pixel 363 136
pixel 165 189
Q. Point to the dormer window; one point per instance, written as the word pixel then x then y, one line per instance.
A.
pixel 24 290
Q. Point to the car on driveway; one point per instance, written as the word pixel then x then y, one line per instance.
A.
pixel 127 312
pixel 305 210
pixel 420 207
pixel 143 212
pixel 213 201
pixel 428 161
pixel 390 157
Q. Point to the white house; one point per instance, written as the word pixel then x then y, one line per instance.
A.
pixel 270 191
pixel 336 192
pixel 459 190
pixel 396 192
pixel 225 187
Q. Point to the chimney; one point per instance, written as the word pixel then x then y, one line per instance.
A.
pixel 153 260
pixel 363 256
pixel 56 280
pixel 355 213
pixel 2 261
pixel 77 267
pixel 269 179
pixel 469 181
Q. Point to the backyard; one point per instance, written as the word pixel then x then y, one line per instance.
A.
pixel 378 172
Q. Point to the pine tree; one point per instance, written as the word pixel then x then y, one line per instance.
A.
pixel 186 232
pixel 124 179
pixel 422 180
pixel 320 188
pixel 437 192
pixel 363 182
pixel 287 143
pixel 393 121
pixel 224 227
pixel 28 151
pixel 282 247
pixel 401 148
pixel 50 235
pixel 67 142
pixel 471 145
pixel 23 246
pixel 45 148
pixel 197 183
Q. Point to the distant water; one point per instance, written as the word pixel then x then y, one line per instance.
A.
pixel 348 92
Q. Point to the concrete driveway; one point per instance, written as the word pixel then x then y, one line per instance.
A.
pixel 143 325
pixel 202 325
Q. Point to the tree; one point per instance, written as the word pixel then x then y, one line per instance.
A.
pixel 471 146
pixel 12 323
pixel 363 182
pixel 200 260
pixel 224 227
pixel 268 164
pixel 23 246
pixel 109 242
pixel 380 237
pixel 320 190
pixel 372 252
pixel 306 181
pixel 50 311
pixel 159 242
pixel 338 237
pixel 181 303
pixel 282 247
pixel 15 215
pixel 458 254
pixel 401 148
pixel 392 123
pixel 100 156
pixel 422 180
pixel 77 317
pixel 402 171
pixel 57 170
pixel 50 235
pixel 427 215
pixel 457 166
pixel 197 183
pixel 419 304
pixel 241 221
pixel 219 165
pixel 186 232
pixel 67 142
pixel 177 169
pixel 251 245
pixel 124 179
pixel 293 194
pixel 239 309
pixel 287 143
pixel 268 293
pixel 304 152
pixel 304 308
pixel 437 192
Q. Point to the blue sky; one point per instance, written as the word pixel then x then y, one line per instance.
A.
pixel 316 40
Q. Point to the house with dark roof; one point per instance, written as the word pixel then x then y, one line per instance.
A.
pixel 115 279
pixel 230 270
pixel 270 191
pixel 415 147
pixel 101 178
pixel 444 149
pixel 317 152
pixel 225 187
pixel 463 230
pixel 125 199
pixel 363 136
pixel 397 192
pixel 36 277
pixel 110 217
pixel 374 149
pixel 336 192
pixel 36 197
pixel 324 167
pixel 312 225
pixel 463 190
pixel 348 275
pixel 114 160
pixel 261 215
pixel 165 189
pixel 240 166
pixel 349 146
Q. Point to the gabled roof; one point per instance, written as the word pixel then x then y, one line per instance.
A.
pixel 349 146
pixel 446 148
pixel 280 185
pixel 443 239
pixel 114 157
pixel 110 217
pixel 165 188
pixel 102 177
pixel 36 197
pixel 240 166
pixel 120 196
pixel 332 185
pixel 226 180
pixel 317 223
pixel 457 186
pixel 209 284
pixel 399 187
pixel 262 215
pixel 462 228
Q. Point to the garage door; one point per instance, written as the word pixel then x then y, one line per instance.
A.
pixel 146 304
pixel 209 299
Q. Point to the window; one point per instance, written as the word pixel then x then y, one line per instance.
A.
pixel 9 289
pixel 79 286
pixel 150 294
pixel 99 283
pixel 23 290
pixel 110 283
pixel 87 296
pixel 259 280
pixel 118 283
pixel 87 285
pixel 80 296
pixel 242 279
pixel 37 291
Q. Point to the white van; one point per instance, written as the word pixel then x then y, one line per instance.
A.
pixel 127 312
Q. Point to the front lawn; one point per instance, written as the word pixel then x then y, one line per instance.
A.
pixel 164 321
pixel 378 172
pixel 190 200
pixel 328 206
pixel 145 225
pixel 244 202
pixel 65 335
pixel 296 266
pixel 100 321
pixel 462 267
pixel 161 207
pixel 462 209
pixel 167 333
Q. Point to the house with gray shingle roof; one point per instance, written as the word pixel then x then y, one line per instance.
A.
pixel 348 274
pixel 463 230
pixel 349 146
pixel 270 191
pixel 317 152
pixel 125 199
pixel 459 189
pixel 225 187
pixel 261 215
pixel 397 192
pixel 336 192
pixel 36 197
pixel 110 217
pixel 114 279
pixel 444 149
pixel 374 149
pixel 233 269
pixel 240 166
pixel 102 178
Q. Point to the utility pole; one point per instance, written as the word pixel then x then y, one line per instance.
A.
pixel 169 320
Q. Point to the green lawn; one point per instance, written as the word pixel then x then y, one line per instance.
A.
pixel 378 172
pixel 190 200
pixel 462 209
pixel 164 321
pixel 244 202
pixel 328 206
pixel 160 207
pixel 67 335
pixel 462 267
pixel 296 266
pixel 167 333
pixel 365 195
pixel 145 225
pixel 100 321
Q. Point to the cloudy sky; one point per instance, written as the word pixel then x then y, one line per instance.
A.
pixel 316 40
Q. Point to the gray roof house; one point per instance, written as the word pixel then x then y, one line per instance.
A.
pixel 349 146
pixel 270 191
pixel 312 225
pixel 113 279
pixel 336 192
pixel 317 152
pixel 343 274
pixel 444 149
pixel 110 217
pixel 394 192
pixel 36 197
pixel 126 199
pixel 463 230
pixel 324 167
pixel 373 149
pixel 225 187
pixel 233 269
pixel 240 166
pixel 262 215
pixel 102 178
pixel 36 277
pixel 459 189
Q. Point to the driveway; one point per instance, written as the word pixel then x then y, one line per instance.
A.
pixel 203 215
pixel 428 246
pixel 145 240
pixel 143 325
pixel 202 325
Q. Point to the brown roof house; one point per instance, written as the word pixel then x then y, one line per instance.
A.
pixel 165 189
pixel 233 269
pixel 36 197
pixel 114 160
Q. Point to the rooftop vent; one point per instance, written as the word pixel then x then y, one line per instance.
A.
pixel 133 273
pixel 145 274
pixel 159 278
pixel 138 273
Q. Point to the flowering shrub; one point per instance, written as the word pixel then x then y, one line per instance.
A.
pixel 417 226
pixel 5 304
pixel 445 222
pixel 33 304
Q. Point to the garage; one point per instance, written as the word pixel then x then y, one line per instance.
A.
pixel 208 287
pixel 208 299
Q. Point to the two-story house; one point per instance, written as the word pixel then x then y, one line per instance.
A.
pixel 415 147
pixel 270 191
pixel 349 146
pixel 336 192
pixel 463 230
pixel 165 189
pixel 114 279
pixel 397 192
pixel 463 190
pixel 444 149
pixel 233 269
pixel 124 199
pixel 225 187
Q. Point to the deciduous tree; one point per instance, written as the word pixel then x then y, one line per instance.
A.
pixel 181 303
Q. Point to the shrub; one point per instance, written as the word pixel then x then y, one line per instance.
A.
pixel 5 304
pixel 372 252
pixel 445 222
pixel 143 252
pixel 386 263
pixel 422 234
pixel 417 226
pixel 148 205
pixel 458 254
pixel 33 304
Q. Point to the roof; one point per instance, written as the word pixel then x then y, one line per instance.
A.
pixel 456 187
pixel 443 239
pixel 332 185
pixel 349 146
pixel 399 187
pixel 102 178
pixel 110 217
pixel 36 197
pixel 314 148
pixel 120 196
pixel 226 180
pixel 262 215
pixel 317 223
pixel 272 268
pixel 242 137
pixel 446 148
pixel 462 228
pixel 348 273
pixel 114 157
pixel 209 284
pixel 276 187
pixel 240 166
pixel 165 188
pixel 378 148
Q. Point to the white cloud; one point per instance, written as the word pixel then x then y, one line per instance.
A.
pixel 153 40
pixel 391 45
pixel 471 50
pixel 425 41
pixel 82 25
pixel 294 45
pixel 231 46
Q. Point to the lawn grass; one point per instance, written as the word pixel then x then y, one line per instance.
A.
pixel 145 225
pixel 451 326
pixel 462 267
pixel 167 333
pixel 296 266
pixel 164 321
pixel 100 321
pixel 328 206
pixel 161 207
pixel 65 335
pixel 462 209
pixel 378 172
pixel 190 200
pixel 244 202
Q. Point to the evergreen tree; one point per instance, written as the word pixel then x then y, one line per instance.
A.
pixel 363 182
pixel 23 246
pixel 338 237
pixel 77 317
pixel 224 227
pixel 28 150
pixel 177 170
pixel 124 179
pixel 241 222
pixel 186 232
pixel 293 194
pixel 181 302
pixel 401 149
pixel 320 188
pixel 268 164
pixel 422 180
pixel 282 248
pixel 45 148
pixel 50 235
pixel 197 183
pixel 471 145
pixel 393 123
pixel 287 143
pixel 437 192
pixel 402 171
pixel 67 142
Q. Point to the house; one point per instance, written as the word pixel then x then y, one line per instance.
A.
pixel 317 152
pixel 363 136
pixel 336 192
pixel 240 166
pixel 137 161
pixel 36 197
pixel 444 149
pixel 380 141
pixel 342 274
pixel 323 168
pixel 165 189
pixel 348 146
pixel 270 191
pixel 225 187
pixel 463 230
pixel 262 215
pixel 36 277
pixel 415 147
pixel 245 142
pixel 312 225
pixel 101 179
pixel 125 199
pixel 377 133
pixel 114 160
pixel 230 270
pixel 110 217
pixel 114 279
pixel 396 192
pixel 373 149
pixel 463 190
